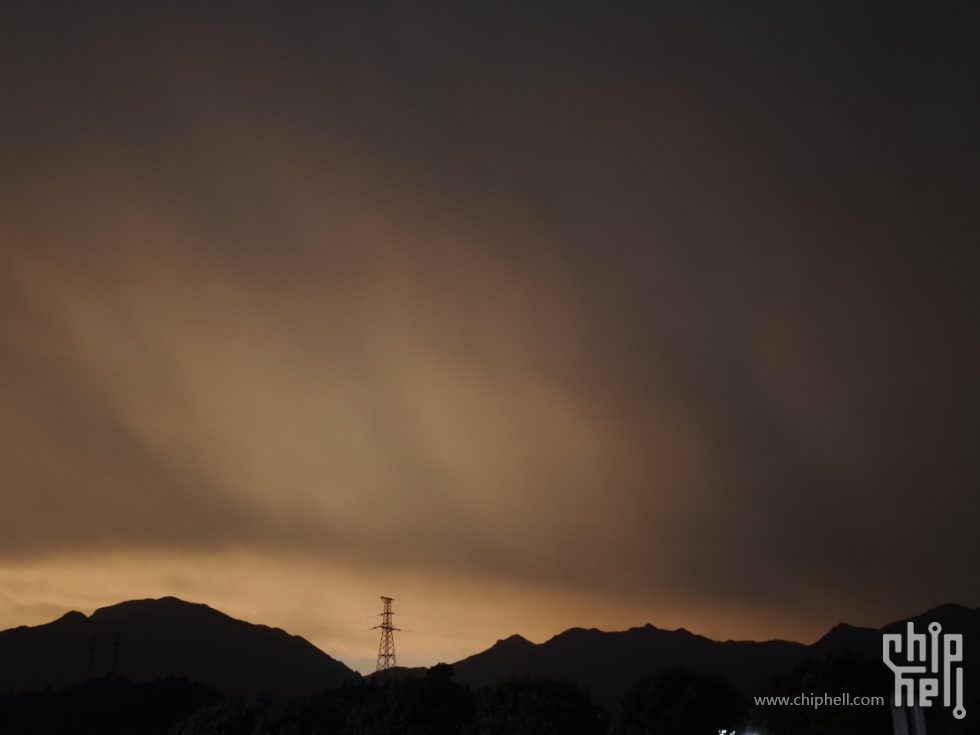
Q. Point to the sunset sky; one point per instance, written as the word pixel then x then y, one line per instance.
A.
pixel 527 315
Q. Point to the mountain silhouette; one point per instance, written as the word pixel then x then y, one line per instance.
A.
pixel 145 640
pixel 170 637
pixel 867 641
pixel 608 663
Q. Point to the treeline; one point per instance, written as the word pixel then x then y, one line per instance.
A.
pixel 108 706
pixel 675 702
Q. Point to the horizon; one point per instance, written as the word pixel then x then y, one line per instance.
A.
pixel 529 317
pixel 365 665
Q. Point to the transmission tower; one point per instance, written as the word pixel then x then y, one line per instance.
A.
pixel 386 650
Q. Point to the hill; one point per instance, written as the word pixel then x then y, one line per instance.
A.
pixel 145 640
pixel 172 638
pixel 608 663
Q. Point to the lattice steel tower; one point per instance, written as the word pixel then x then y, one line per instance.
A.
pixel 386 650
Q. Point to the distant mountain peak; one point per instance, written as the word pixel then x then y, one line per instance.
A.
pixel 575 633
pixel 947 609
pixel 155 638
pixel 158 604
pixel 844 627
pixel 607 663
pixel 514 641
pixel 844 635
pixel 72 616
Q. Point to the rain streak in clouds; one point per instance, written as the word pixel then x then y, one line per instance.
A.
pixel 641 313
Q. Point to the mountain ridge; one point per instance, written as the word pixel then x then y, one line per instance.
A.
pixel 614 660
pixel 150 639
pixel 154 638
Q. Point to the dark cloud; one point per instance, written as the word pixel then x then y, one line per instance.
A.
pixel 664 300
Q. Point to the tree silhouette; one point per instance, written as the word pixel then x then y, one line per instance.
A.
pixel 833 675
pixel 227 717
pixel 680 702
pixel 536 707
pixel 108 706
pixel 429 705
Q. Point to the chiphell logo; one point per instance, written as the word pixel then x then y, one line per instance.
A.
pixel 919 651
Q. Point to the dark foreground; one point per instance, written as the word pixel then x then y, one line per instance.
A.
pixel 675 702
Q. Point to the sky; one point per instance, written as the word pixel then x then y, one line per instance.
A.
pixel 527 315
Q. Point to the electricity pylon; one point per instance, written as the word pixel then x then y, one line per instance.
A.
pixel 386 650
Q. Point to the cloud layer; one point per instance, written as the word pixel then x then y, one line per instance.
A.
pixel 645 309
